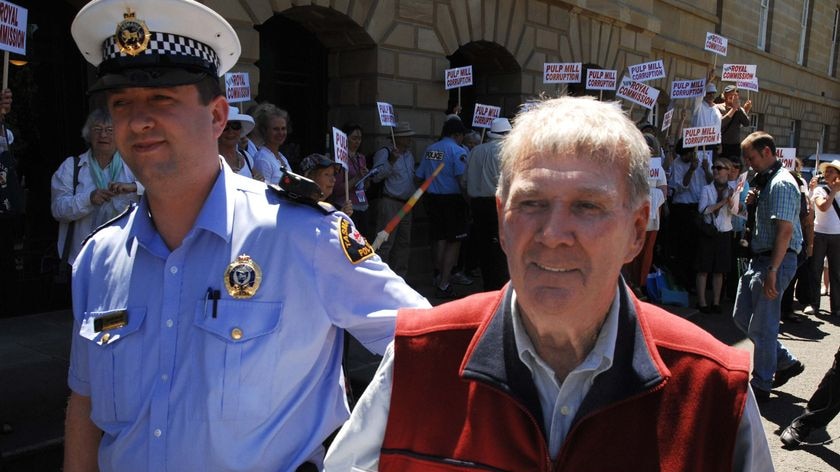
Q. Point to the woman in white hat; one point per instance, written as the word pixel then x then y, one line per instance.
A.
pixel 238 125
pixel 827 234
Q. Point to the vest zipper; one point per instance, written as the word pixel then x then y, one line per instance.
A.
pixel 649 391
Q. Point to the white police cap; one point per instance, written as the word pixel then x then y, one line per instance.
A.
pixel 154 43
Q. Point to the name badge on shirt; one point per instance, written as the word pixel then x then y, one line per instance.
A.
pixel 243 277
pixel 111 321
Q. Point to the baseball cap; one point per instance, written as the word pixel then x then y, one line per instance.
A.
pixel 711 88
pixel 316 161
pixel 154 43
pixel 729 89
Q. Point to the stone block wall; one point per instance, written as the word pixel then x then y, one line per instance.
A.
pixel 410 43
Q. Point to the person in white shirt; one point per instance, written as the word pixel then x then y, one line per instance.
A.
pixel 272 125
pixel 238 126
pixel 104 186
pixel 718 202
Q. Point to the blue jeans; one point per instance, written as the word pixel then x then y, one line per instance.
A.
pixel 758 317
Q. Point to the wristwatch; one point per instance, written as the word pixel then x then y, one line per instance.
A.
pixel 771 269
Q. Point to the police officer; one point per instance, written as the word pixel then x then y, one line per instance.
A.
pixel 208 320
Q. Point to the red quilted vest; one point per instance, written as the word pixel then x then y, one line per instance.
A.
pixel 671 402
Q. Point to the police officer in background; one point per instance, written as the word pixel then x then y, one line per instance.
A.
pixel 206 335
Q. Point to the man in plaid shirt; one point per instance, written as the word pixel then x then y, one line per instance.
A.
pixel 776 241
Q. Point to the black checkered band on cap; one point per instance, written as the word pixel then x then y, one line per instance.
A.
pixel 180 49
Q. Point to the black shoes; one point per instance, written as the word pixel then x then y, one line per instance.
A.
pixel 445 293
pixel 794 435
pixel 782 376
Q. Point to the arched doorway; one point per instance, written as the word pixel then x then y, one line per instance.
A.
pixel 320 66
pixel 496 78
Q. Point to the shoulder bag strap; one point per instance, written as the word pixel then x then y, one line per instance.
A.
pixel 65 253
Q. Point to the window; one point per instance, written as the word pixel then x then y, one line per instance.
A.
pixel 793 137
pixel 823 138
pixel 654 115
pixel 803 36
pixel 763 17
pixel 755 121
pixel 832 58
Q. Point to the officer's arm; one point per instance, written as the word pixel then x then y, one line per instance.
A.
pixel 81 436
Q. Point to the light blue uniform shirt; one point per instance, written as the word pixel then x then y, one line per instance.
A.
pixel 257 387
pixel 454 158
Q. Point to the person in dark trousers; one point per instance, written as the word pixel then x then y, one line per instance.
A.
pixel 823 406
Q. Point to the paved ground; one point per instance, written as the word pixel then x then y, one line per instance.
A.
pixel 34 352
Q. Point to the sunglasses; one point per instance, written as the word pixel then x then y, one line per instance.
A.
pixel 720 168
pixel 234 125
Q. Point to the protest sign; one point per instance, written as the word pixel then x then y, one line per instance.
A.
pixel 647 71
pixel 751 85
pixel 666 119
pixel 386 114
pixel 12 28
pixel 340 153
pixel 458 77
pixel 701 136
pixel 237 87
pixel 655 168
pixel 601 79
pixel 561 72
pixel 484 115
pixel 716 44
pixel 688 88
pixel 788 157
pixel 738 72
pixel 638 92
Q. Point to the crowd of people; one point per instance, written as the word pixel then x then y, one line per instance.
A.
pixel 559 362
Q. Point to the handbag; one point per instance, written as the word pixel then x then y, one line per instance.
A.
pixel 64 270
pixel 706 229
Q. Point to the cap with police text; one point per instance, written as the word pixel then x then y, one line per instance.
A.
pixel 154 43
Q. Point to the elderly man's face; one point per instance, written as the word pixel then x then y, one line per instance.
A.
pixel 567 230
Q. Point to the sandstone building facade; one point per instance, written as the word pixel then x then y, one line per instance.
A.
pixel 330 61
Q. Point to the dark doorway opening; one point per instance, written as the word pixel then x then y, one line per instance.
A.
pixel 496 79
pixel 293 65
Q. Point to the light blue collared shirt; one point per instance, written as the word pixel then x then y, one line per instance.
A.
pixel 454 158
pixel 238 384
pixel 560 401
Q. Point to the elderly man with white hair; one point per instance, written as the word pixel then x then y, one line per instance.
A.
pixel 563 369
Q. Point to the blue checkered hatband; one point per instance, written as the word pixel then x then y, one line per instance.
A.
pixel 166 49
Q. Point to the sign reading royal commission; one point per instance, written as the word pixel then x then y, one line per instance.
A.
pixel 12 28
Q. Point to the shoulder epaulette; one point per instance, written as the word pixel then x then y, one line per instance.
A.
pixel 113 220
pixel 323 207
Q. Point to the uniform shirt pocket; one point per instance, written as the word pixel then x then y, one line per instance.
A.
pixel 232 371
pixel 115 357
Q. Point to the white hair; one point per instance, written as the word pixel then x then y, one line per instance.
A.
pixel 578 127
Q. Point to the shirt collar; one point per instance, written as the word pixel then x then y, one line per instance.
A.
pixel 216 215
pixel 599 359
